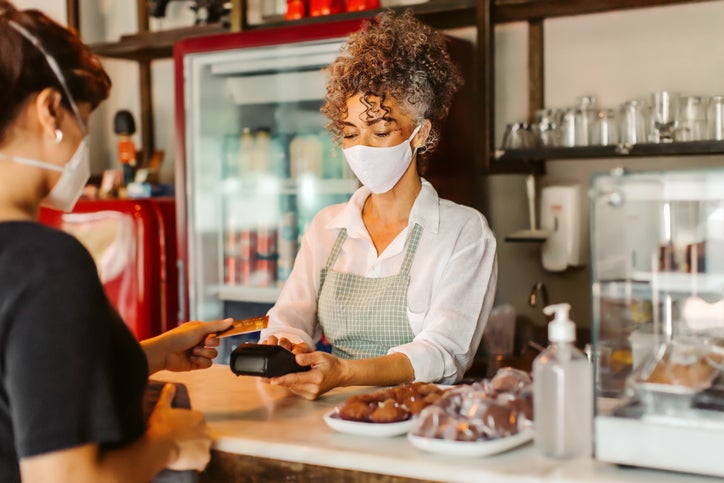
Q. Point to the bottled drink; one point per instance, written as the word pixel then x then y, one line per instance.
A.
pixel 563 392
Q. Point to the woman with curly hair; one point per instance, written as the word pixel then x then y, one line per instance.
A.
pixel 399 281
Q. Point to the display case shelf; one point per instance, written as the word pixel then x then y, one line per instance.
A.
pixel 642 285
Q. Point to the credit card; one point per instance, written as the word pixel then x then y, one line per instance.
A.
pixel 245 326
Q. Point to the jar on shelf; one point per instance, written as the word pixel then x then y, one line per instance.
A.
pixel 296 9
pixel 325 7
pixel 359 5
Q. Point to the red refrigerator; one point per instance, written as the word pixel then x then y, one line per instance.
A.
pixel 255 162
pixel 133 243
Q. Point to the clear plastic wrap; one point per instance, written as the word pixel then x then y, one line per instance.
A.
pixel 480 411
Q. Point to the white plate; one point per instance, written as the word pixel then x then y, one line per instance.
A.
pixel 471 448
pixel 383 430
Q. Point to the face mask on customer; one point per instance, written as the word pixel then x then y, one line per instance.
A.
pixel 76 172
pixel 379 169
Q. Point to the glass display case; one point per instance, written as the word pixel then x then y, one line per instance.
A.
pixel 658 319
pixel 257 162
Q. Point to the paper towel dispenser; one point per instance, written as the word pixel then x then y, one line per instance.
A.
pixel 562 217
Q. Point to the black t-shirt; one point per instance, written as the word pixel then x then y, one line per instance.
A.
pixel 71 372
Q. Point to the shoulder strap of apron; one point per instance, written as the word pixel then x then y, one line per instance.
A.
pixel 336 248
pixel 411 249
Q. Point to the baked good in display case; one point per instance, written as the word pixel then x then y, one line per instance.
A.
pixel 669 380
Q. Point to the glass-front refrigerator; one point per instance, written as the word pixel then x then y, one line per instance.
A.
pixel 255 162
pixel 658 319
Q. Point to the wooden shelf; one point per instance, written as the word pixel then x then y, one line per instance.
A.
pixel 153 45
pixel 526 10
pixel 615 151
pixel 440 14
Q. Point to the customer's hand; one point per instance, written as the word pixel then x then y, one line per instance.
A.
pixel 184 348
pixel 185 428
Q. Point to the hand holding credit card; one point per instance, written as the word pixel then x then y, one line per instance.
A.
pixel 245 326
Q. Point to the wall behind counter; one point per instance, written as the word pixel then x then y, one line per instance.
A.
pixel 615 56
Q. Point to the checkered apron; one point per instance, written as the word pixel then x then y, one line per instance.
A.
pixel 364 317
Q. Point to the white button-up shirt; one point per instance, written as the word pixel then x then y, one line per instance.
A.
pixel 452 279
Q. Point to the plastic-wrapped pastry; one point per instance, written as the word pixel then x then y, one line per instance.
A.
pixel 469 413
pixel 679 364
pixel 508 379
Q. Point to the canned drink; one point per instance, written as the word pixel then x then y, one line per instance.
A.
pixel 246 269
pixel 266 241
pixel 231 243
pixel 247 242
pixel 266 271
pixel 287 243
pixel 231 270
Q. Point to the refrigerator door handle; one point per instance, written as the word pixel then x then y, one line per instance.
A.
pixel 181 291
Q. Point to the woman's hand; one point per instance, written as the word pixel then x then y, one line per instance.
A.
pixel 299 348
pixel 187 347
pixel 327 372
pixel 184 428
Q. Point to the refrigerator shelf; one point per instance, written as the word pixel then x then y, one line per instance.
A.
pixel 242 293
pixel 642 285
pixel 302 185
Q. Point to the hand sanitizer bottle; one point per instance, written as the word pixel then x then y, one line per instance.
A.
pixel 563 392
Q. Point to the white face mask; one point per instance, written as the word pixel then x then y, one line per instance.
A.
pixel 379 169
pixel 76 172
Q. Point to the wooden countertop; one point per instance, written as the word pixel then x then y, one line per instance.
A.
pixel 258 422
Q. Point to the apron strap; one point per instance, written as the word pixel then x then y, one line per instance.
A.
pixel 406 263
pixel 336 248
pixel 411 249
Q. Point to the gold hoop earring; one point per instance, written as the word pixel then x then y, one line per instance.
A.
pixel 58 136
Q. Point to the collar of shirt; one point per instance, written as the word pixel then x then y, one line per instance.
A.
pixel 425 212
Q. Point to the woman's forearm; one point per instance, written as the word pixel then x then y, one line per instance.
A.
pixel 139 461
pixel 155 354
pixel 379 371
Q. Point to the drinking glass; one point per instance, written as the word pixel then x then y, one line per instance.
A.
pixel 664 116
pixel 605 128
pixel 545 128
pixel 567 127
pixel 715 118
pixel 585 117
pixel 692 119
pixel 518 136
pixel 633 122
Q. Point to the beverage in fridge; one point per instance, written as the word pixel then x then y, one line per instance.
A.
pixel 254 162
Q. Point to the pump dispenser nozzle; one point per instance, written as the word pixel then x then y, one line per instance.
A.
pixel 561 328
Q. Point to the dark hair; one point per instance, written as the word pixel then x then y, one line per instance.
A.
pixel 24 71
pixel 398 57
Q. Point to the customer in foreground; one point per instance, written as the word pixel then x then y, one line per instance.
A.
pixel 399 281
pixel 72 376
